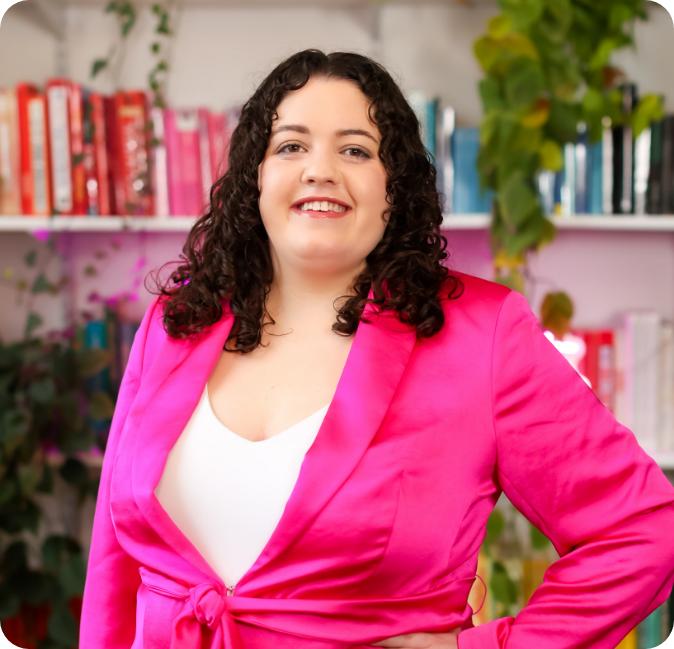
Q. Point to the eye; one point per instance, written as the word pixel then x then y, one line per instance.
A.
pixel 289 148
pixel 357 153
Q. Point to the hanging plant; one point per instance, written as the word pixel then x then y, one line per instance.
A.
pixel 547 68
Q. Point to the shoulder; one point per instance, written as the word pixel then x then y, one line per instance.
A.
pixel 466 292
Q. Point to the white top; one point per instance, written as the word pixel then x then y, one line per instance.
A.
pixel 225 493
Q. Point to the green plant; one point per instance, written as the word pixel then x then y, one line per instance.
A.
pixel 47 403
pixel 547 68
pixel 126 13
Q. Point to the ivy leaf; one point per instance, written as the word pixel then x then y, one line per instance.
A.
pixel 495 525
pixel 42 390
pixel 524 83
pixel 33 322
pixel 500 26
pixel 30 258
pixel 73 575
pixel 62 626
pixel 490 93
pixel 551 155
pixel 503 587
pixel 538 540
pixel 97 66
pixel 101 406
pixel 519 45
pixel 593 101
pixel 15 424
pixel 40 285
pixel 524 13
pixel 29 478
pixel 155 48
pixel 603 53
pixel 537 232
pixel 486 52
pixel 56 549
pixel 518 201
pixel 648 110
pixel 538 115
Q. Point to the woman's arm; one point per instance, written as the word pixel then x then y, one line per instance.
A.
pixel 109 605
pixel 583 480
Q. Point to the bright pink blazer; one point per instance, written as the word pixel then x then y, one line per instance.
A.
pixel 381 534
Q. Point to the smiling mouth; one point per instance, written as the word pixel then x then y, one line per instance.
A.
pixel 321 209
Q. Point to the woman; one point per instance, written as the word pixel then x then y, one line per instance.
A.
pixel 312 304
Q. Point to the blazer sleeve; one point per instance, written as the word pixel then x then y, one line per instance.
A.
pixel 109 605
pixel 583 480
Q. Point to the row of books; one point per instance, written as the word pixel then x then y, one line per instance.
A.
pixel 631 370
pixel 68 151
pixel 617 175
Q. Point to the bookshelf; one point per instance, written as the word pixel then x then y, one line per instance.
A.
pixel 28 224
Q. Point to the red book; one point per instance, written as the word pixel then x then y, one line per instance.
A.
pixel 58 103
pixel 10 165
pixel 77 143
pixel 100 154
pixel 131 118
pixel 598 363
pixel 181 132
pixel 218 141
pixel 115 181
pixel 34 151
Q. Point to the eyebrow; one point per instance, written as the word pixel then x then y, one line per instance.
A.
pixel 299 128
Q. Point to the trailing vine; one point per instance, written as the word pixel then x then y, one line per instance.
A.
pixel 547 67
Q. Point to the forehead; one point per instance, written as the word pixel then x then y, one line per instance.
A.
pixel 326 103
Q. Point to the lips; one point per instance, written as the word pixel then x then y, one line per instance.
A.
pixel 320 207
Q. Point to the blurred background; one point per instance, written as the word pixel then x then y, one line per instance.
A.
pixel 551 125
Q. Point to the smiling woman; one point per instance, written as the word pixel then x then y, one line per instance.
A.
pixel 317 417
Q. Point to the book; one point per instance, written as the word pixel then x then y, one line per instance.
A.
pixel 581 160
pixel 59 106
pixel 218 143
pixel 467 195
pixel 184 162
pixel 77 143
pixel 655 179
pixel 595 178
pixel 642 341
pixel 160 186
pixel 207 178
pixel 642 163
pixel 607 165
pixel 133 163
pixel 115 180
pixel 96 156
pixel 623 156
pixel 447 124
pixel 568 187
pixel 34 151
pixel 629 641
pixel 10 186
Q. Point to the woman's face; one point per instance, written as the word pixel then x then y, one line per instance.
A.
pixel 322 184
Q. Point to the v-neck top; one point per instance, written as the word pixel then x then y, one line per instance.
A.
pixel 225 493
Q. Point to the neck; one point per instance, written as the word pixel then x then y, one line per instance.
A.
pixel 306 300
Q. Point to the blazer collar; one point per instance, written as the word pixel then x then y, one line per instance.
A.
pixel 175 383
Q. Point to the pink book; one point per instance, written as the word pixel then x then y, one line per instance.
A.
pixel 218 140
pixel 181 132
pixel 160 183
pixel 205 155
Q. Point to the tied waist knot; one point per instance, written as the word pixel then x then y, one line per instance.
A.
pixel 203 621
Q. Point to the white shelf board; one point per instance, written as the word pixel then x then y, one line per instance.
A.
pixel 184 223
pixel 665 460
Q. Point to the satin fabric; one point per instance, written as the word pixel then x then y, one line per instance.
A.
pixel 381 533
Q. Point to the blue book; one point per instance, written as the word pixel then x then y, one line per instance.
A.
pixel 596 182
pixel 468 197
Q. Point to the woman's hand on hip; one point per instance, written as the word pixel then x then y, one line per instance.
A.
pixel 421 641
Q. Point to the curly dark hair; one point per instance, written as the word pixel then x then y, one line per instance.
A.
pixel 227 257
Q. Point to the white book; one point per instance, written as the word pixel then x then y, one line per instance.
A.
pixel 569 185
pixel 37 129
pixel 159 164
pixel 642 344
pixel 446 166
pixel 58 98
pixel 666 427
pixel 642 166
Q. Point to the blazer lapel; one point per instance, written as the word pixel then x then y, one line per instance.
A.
pixel 373 370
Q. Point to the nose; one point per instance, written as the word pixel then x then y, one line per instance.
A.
pixel 321 168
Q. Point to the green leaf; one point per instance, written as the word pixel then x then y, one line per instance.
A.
pixel 30 586
pixel 29 478
pixel 648 110
pixel 46 485
pixel 538 540
pixel 15 424
pixel 91 361
pixel 42 390
pixel 593 101
pixel 56 550
pixel 32 323
pixel 518 201
pixel 551 155
pixel 490 93
pixel 101 406
pixel 524 83
pixel 97 66
pixel 499 26
pixel 9 602
pixel 562 124
pixel 30 258
pixel 7 490
pixel 537 232
pixel 40 285
pixel 73 575
pixel 486 52
pixel 62 626
pixel 495 525
pixel 603 53
pixel 503 587
pixel 74 473
pixel 154 47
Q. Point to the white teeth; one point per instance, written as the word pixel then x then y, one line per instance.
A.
pixel 322 206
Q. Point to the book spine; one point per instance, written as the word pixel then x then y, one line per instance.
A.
pixel 654 189
pixel 607 166
pixel 187 134
pixel 207 179
pixel 581 165
pixel 666 380
pixel 596 179
pixel 605 368
pixel 39 155
pixel 642 161
pixel 623 156
pixel 97 107
pixel 134 163
pixel 10 166
pixel 77 134
pixel 629 641
pixel 668 165
pixel 173 164
pixel 642 338
pixel 160 181
pixel 58 101
pixel 217 144
pixel 569 181
pixel 91 176
pixel 112 146
pixel 448 123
